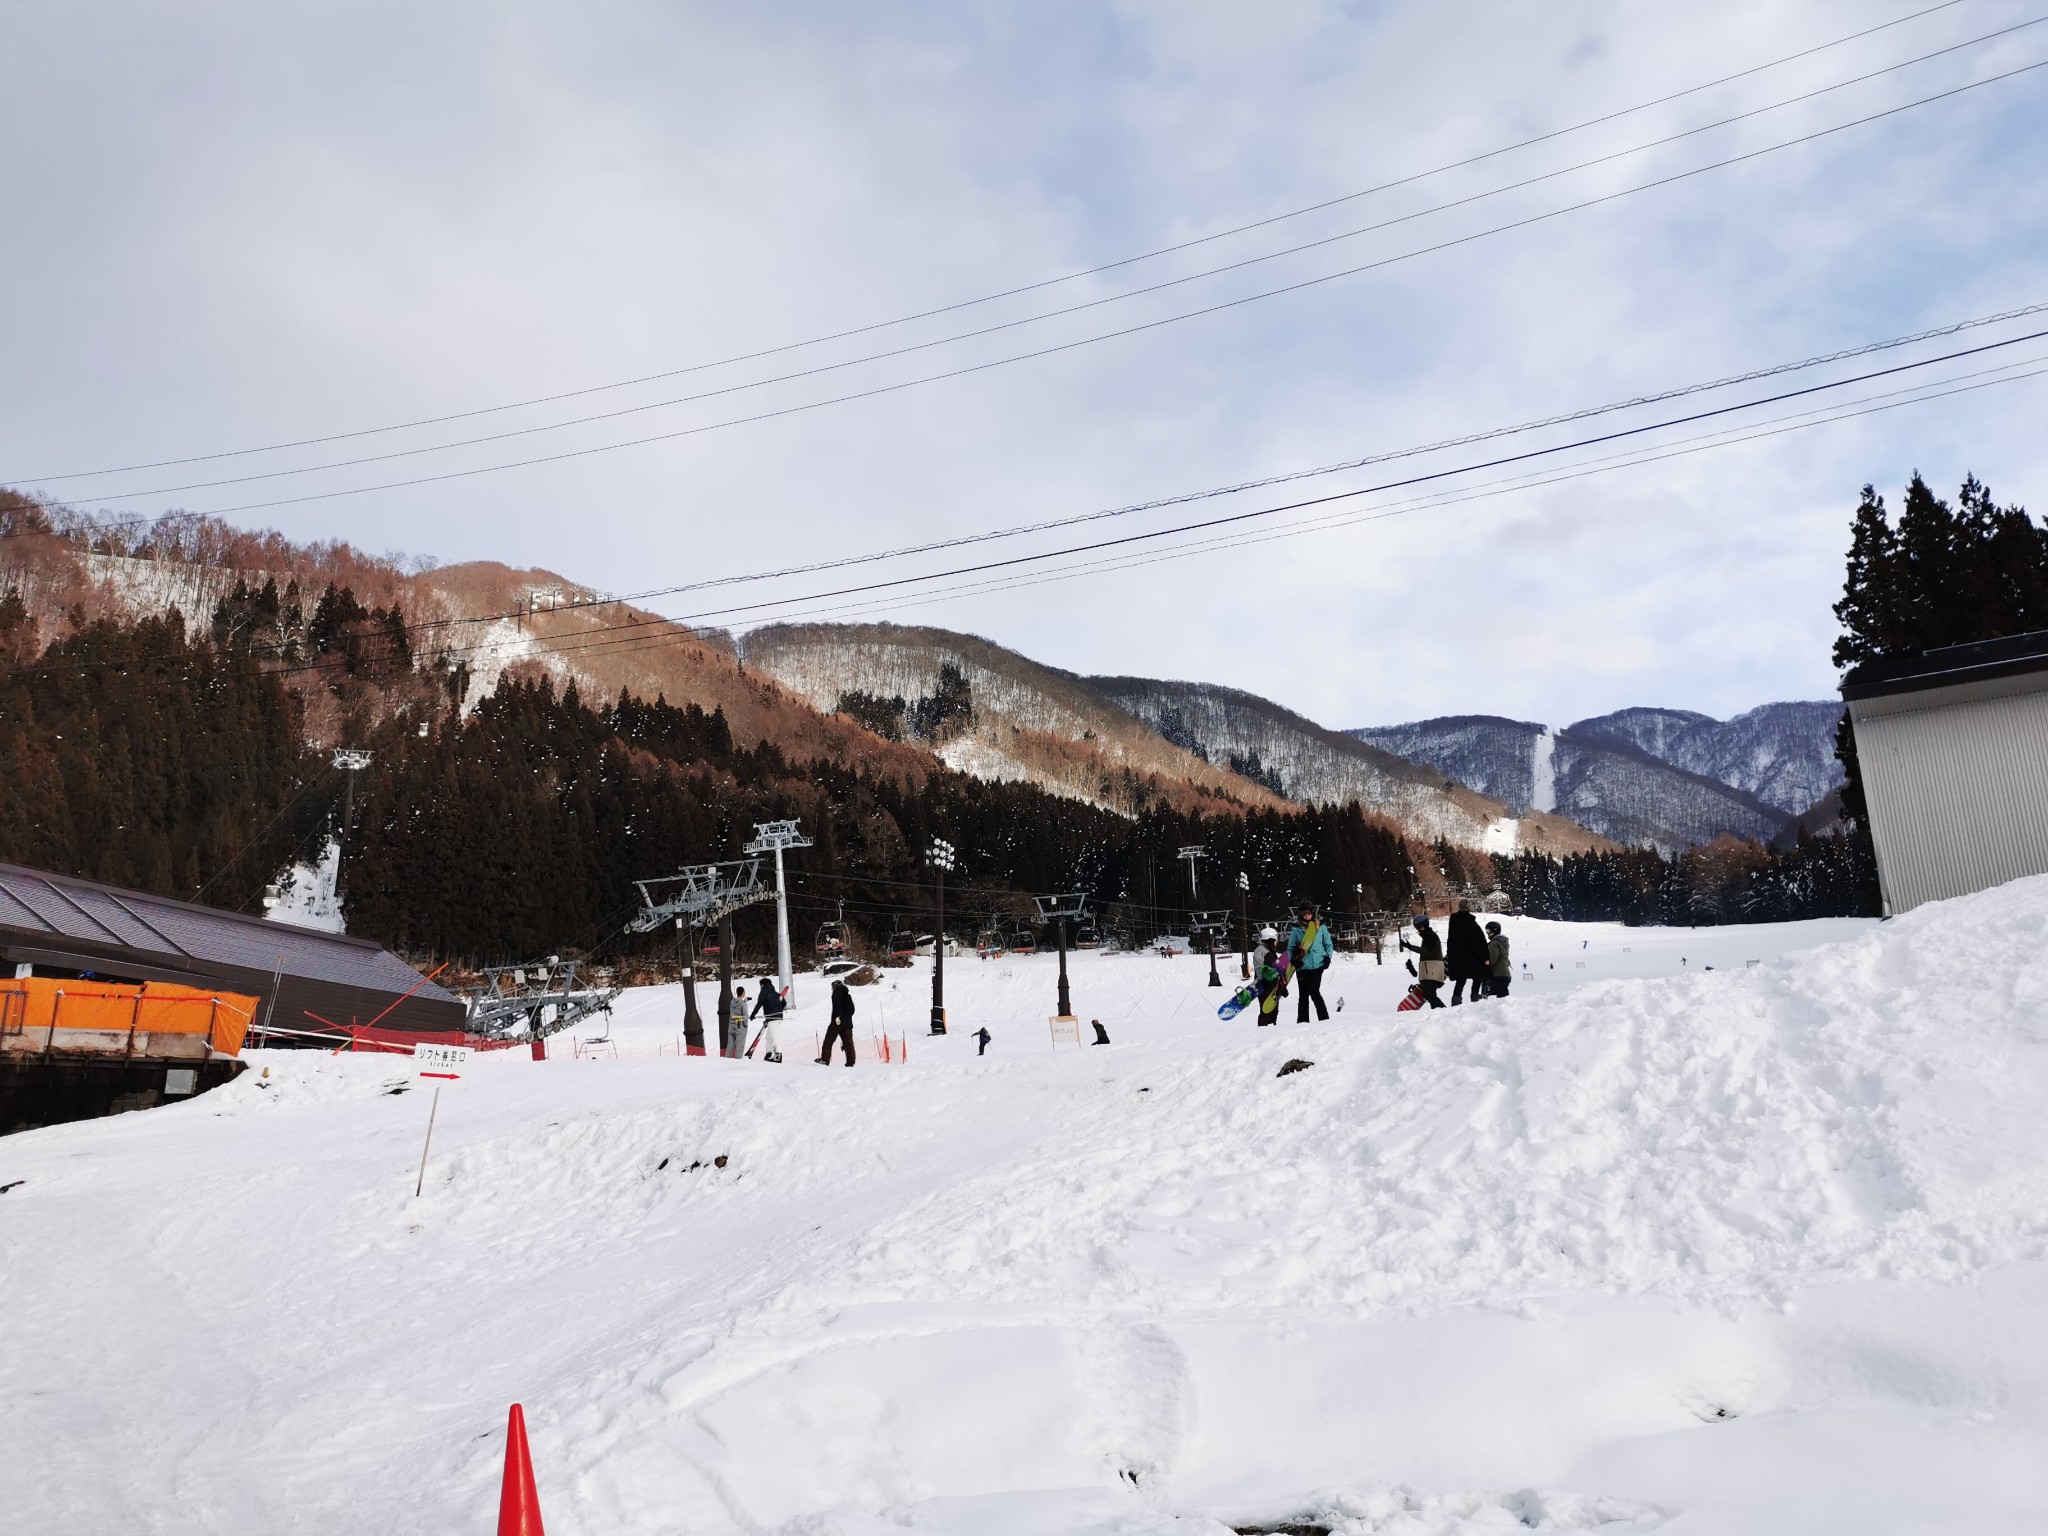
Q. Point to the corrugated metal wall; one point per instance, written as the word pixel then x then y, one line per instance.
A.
pixel 1958 794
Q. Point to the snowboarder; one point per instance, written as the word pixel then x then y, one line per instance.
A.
pixel 1101 1034
pixel 1428 964
pixel 769 1010
pixel 1269 953
pixel 1465 954
pixel 1308 942
pixel 982 1037
pixel 841 1027
pixel 1497 959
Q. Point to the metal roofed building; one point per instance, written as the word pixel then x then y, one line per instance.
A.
pixel 1953 745
pixel 62 925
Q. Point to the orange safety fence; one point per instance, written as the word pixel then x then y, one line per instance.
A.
pixel 38 1012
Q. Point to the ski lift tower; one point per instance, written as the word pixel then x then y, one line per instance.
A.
pixel 1059 910
pixel 1192 853
pixel 695 896
pixel 352 761
pixel 1207 925
pixel 774 836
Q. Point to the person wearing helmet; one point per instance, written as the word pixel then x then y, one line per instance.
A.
pixel 1429 952
pixel 1269 954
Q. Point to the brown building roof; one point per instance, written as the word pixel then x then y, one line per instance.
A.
pixel 63 922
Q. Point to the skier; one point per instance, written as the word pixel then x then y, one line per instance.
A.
pixel 1101 1034
pixel 1429 951
pixel 1465 954
pixel 1497 959
pixel 841 1027
pixel 1268 953
pixel 769 1010
pixel 1308 941
pixel 982 1036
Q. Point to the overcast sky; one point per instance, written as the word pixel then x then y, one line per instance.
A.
pixel 235 225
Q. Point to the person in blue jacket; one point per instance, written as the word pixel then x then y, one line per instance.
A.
pixel 1308 941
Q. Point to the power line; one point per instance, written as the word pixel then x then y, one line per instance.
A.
pixel 911 348
pixel 1138 329
pixel 1525 456
pixel 1289 476
pixel 614 631
pixel 1069 277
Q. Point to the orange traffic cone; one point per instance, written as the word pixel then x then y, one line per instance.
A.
pixel 519 1501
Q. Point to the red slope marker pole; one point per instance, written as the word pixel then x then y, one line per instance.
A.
pixel 518 1500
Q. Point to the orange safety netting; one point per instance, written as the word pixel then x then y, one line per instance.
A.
pixel 54 1004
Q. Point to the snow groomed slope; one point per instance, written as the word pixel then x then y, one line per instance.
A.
pixel 1647 1248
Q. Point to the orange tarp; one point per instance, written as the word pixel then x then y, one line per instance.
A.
pixel 44 1009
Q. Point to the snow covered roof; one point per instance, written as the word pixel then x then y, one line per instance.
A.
pixel 61 920
pixel 1947 665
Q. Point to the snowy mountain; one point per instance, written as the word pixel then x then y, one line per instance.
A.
pixel 1119 742
pixel 992 713
pixel 1310 763
pixel 1604 782
pixel 1784 754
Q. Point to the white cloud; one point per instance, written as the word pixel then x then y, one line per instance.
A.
pixel 237 224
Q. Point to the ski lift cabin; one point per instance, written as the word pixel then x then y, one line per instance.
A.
pixel 831 940
pixel 1024 942
pixel 1087 936
pixel 902 946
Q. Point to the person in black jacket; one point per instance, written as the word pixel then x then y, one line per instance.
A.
pixel 841 1027
pixel 1429 950
pixel 768 1007
pixel 1465 957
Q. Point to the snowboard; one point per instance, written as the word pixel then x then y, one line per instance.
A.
pixel 1270 976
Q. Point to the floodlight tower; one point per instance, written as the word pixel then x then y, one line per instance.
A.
pixel 776 836
pixel 1244 926
pixel 942 857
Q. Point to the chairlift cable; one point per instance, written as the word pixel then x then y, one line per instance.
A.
pixel 1165 250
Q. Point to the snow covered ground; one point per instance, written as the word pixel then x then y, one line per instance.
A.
pixel 1645 1247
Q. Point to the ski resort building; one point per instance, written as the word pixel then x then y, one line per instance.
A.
pixel 114 999
pixel 1953 746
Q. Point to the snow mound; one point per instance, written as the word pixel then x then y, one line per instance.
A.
pixel 1748 1250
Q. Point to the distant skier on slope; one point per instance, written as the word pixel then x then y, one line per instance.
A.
pixel 1428 964
pixel 982 1038
pixel 769 1010
pixel 841 1027
pixel 1309 946
pixel 1465 954
pixel 1497 959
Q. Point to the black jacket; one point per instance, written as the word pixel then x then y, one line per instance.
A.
pixel 1465 947
pixel 842 1003
pixel 770 1002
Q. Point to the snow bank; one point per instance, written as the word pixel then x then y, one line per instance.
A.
pixel 1760 1249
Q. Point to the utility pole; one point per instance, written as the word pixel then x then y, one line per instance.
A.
pixel 941 856
pixel 778 835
